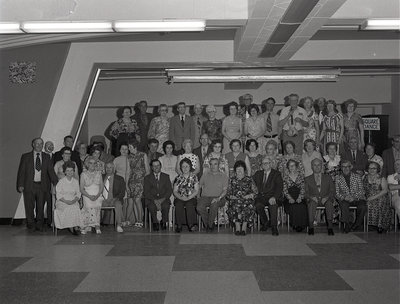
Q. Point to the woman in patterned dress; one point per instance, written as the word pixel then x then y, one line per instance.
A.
pixel 125 129
pixel 231 127
pixel 187 146
pixel 312 131
pixel 353 123
pixel 376 191
pixel 332 125
pixel 294 202
pixel 186 188
pixel 235 155
pixel 216 153
pixel 240 197
pixel 255 125
pixel 372 157
pixel 289 148
pixel 255 158
pixel 95 153
pixel 138 169
pixel 159 127
pixel 67 213
pixel 91 186
pixel 212 127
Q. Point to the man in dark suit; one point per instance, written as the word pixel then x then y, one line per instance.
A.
pixel 143 119
pixel 69 142
pixel 35 174
pixel 390 156
pixel 113 193
pixel 157 193
pixel 202 151
pixel 319 191
pixel 270 187
pixel 49 148
pixel 181 127
pixel 153 147
pixel 358 158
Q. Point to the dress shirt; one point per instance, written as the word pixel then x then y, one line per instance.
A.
pixel 274 123
pixel 38 176
pixel 396 154
pixel 298 113
pixel 266 174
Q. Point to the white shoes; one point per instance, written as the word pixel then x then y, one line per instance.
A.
pixel 119 229
pixel 98 231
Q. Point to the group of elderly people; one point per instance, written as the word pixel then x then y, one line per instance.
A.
pixel 232 170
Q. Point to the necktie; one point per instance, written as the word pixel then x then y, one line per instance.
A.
pixel 157 181
pixel 144 120
pixel 269 123
pixel 182 122
pixel 354 156
pixel 38 163
pixel 106 187
pixel 265 178
pixel 198 123
pixel 291 119
pixel 398 191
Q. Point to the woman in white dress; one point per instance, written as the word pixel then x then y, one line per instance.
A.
pixel 91 188
pixel 168 160
pixel 67 213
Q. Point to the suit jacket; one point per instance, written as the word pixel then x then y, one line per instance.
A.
pixel 356 189
pixel 152 192
pixel 197 129
pixel 74 157
pixel 388 162
pixel 177 133
pixel 118 187
pixel 361 160
pixel 273 186
pixel 198 153
pixel 327 187
pixel 26 172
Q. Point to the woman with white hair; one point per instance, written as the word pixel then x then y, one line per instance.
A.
pixel 159 127
pixel 187 146
pixel 213 126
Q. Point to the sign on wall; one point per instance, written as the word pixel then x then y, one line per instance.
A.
pixel 372 123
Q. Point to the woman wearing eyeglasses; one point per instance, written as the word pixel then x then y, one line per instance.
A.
pixel 376 191
pixel 159 127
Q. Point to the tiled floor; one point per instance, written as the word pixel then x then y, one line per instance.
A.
pixel 162 267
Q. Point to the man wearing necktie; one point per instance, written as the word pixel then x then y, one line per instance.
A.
pixel 35 175
pixel 198 119
pixel 358 158
pixel 202 151
pixel 270 188
pixel 181 127
pixel 319 191
pixel 157 193
pixel 113 193
pixel 272 130
pixel 49 148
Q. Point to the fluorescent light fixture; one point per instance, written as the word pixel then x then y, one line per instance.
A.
pixel 10 28
pixel 381 24
pixel 160 26
pixel 67 27
pixel 255 78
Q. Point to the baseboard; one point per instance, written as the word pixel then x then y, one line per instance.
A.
pixel 11 221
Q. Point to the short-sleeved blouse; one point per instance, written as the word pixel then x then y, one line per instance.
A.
pixel 120 126
pixel 289 183
pixel 186 184
pixel 192 157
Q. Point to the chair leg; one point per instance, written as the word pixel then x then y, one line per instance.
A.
pixel 150 222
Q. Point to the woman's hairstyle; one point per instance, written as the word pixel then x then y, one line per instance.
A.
pixel 234 104
pixel 303 100
pixel 273 143
pixel 87 161
pixel 331 143
pixel 133 143
pixel 163 105
pixel 65 149
pixel 216 141
pixel 248 143
pixel 292 161
pixel 289 142
pixel 235 141
pixel 371 144
pixel 68 164
pixel 254 106
pixel 187 141
pixel 378 166
pixel 332 102
pixel 210 108
pixel 187 161
pixel 126 107
pixel 95 148
pixel 309 140
pixel 347 103
pixel 166 143
pixel 124 143
pixel 239 164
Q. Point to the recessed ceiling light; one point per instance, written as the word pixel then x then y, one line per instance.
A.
pixel 381 24
pixel 67 27
pixel 10 28
pixel 160 26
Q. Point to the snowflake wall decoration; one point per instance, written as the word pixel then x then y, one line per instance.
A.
pixel 22 72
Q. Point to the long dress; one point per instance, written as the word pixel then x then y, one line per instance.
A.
pixel 168 165
pixel 332 128
pixel 297 211
pixel 67 216
pixel 137 172
pixel 332 168
pixel 255 127
pixel 351 127
pixel 91 209
pixel 282 166
pixel 213 128
pixel 159 129
pixel 255 163
pixel 310 132
pixel 232 125
pixel 122 132
pixel 241 209
pixel 379 210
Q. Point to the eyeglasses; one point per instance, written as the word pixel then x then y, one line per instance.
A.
pixel 373 168
pixel 92 163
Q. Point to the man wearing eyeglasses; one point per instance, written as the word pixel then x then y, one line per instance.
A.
pixel 390 156
pixel 350 192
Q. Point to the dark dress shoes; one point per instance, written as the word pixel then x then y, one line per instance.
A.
pixel 163 225
pixel 346 228
pixel 275 231
pixel 211 228
pixel 237 232
pixel 263 228
pixel 156 226
pixel 330 231
pixel 178 229
pixel 310 231
pixel 243 232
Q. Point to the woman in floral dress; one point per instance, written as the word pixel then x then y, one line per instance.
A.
pixel 231 127
pixel 138 169
pixel 240 197
pixel 312 131
pixel 91 186
pixel 213 126
pixel 332 125
pixel 159 127
pixel 289 148
pixel 353 123
pixel 255 158
pixel 125 129
pixel 376 191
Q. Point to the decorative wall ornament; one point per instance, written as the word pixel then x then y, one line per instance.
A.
pixel 22 72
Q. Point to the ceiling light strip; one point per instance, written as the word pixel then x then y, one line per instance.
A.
pixel 160 26
pixel 10 28
pixel 255 78
pixel 381 24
